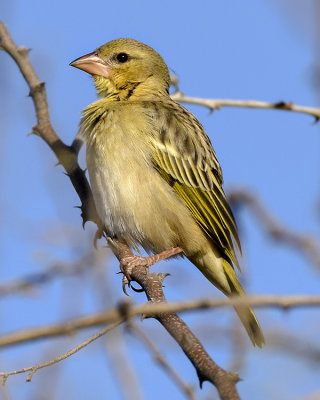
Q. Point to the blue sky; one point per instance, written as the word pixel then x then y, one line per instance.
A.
pixel 258 49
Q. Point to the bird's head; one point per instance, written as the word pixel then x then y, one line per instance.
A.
pixel 126 69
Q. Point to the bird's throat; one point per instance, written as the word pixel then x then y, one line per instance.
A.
pixel 147 89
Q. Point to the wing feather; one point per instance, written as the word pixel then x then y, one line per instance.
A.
pixel 184 157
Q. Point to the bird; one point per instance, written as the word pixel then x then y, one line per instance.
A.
pixel 155 177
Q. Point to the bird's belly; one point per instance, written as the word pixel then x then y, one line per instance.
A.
pixel 135 203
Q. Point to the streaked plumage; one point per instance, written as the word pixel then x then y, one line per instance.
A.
pixel 155 177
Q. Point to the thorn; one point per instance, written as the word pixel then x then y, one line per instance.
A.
pixel 162 276
pixel 280 104
pixel 316 119
pixel 34 131
pixel 235 377
pixel 83 221
pixel 201 380
pixel 23 50
pixel 57 164
pixel 284 105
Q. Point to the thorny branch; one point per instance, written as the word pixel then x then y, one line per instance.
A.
pixel 207 369
pixel 217 104
pixel 150 310
pixel 151 283
pixel 66 155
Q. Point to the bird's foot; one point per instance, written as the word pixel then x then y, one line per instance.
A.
pixel 128 263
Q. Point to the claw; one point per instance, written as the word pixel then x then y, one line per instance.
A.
pixel 136 289
pixel 125 282
pixel 128 263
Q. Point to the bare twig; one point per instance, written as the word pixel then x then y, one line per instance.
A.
pixel 304 243
pixel 66 155
pixel 293 345
pixel 150 310
pixel 162 361
pixel 217 104
pixel 54 271
pixel 114 345
pixel 207 369
pixel 35 368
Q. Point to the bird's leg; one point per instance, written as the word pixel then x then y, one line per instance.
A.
pixel 128 260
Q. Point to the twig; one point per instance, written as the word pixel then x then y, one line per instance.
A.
pixel 35 368
pixel 150 310
pixel 114 345
pixel 304 243
pixel 161 360
pixel 58 269
pixel 217 104
pixel 207 369
pixel 67 155
pixel 295 346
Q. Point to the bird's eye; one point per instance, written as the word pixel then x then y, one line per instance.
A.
pixel 122 57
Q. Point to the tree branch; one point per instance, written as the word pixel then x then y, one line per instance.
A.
pixel 304 243
pixel 35 368
pixel 217 104
pixel 66 155
pixel 56 270
pixel 161 360
pixel 207 369
pixel 150 310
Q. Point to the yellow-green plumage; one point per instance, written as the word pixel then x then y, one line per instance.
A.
pixel 155 177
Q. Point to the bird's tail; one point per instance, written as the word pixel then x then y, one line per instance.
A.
pixel 245 313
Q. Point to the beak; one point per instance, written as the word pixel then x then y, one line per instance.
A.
pixel 92 64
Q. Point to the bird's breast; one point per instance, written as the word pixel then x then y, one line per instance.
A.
pixel 133 201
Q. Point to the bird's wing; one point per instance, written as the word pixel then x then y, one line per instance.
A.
pixel 184 157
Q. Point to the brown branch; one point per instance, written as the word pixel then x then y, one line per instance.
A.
pixel 114 346
pixel 162 361
pixel 69 353
pixel 150 310
pixel 207 369
pixel 217 104
pixel 56 270
pixel 66 155
pixel 304 243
